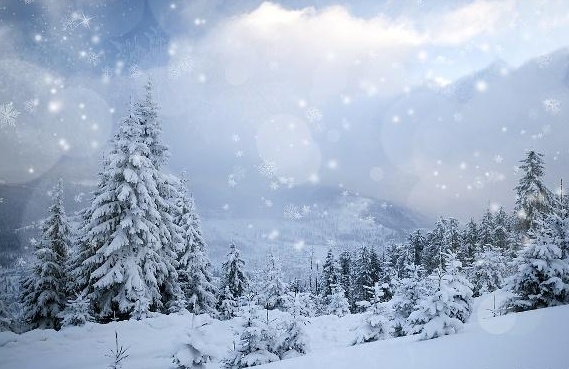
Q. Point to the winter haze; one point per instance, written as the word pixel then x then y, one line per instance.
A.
pixel 427 104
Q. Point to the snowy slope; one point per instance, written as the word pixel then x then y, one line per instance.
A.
pixel 530 340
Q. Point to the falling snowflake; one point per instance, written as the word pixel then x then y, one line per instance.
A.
pixel 76 19
pixel 313 114
pixel 274 185
pixel 1 200
pixel 93 58
pixel 292 212
pixel 498 159
pixel 31 105
pixel 239 153
pixel 235 176
pixel 235 137
pixel 8 115
pixel 552 106
pixel 267 169
pixel 181 67
pixel 28 2
pixel 79 197
pixel 289 182
pixel 134 71
pixel 268 203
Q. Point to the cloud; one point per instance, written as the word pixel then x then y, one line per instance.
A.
pixel 470 21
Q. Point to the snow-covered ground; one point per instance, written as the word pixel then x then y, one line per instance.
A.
pixel 530 340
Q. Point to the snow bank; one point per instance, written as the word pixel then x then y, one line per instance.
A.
pixel 530 340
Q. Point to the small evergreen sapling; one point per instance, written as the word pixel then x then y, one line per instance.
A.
pixel 256 344
pixel 293 341
pixel 227 307
pixel 195 352
pixel 117 355
pixel 337 302
pixel 446 309
pixel 77 311
pixel 376 324
pixel 408 292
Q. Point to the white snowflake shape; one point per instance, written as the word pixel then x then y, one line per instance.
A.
pixel 498 159
pixel 267 169
pixel 134 71
pixel 8 115
pixel 274 185
pixel 93 58
pixel 239 153
pixel 313 114
pixel 31 105
pixel 28 2
pixel 292 212
pixel 552 106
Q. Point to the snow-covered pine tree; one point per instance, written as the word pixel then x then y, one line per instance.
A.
pixel 194 267
pixel 337 303
pixel 449 305
pixel 273 289
pixel 469 243
pixel 434 245
pixel 227 306
pixel 365 274
pixel 416 242
pixel 542 269
pixel 376 324
pixel 532 196
pixel 502 230
pixel 129 235
pixel 293 340
pixel 256 345
pixel 451 236
pixel 234 276
pixel 408 292
pixel 486 231
pixel 77 311
pixel 345 270
pixel 330 275
pixel 488 271
pixel 44 288
pixel 170 234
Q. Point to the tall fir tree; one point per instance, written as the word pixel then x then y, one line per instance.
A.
pixel 486 231
pixel 469 243
pixel 408 292
pixel 532 196
pixel 488 271
pixel 330 275
pixel 234 277
pixel 194 267
pixel 44 288
pixel 128 252
pixel 274 288
pixel 167 186
pixel 434 246
pixel 416 242
pixel 346 272
pixel 542 269
pixel 447 307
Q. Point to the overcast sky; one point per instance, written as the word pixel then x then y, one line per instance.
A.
pixel 430 104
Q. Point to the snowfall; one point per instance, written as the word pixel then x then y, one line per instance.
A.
pixel 531 340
